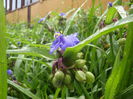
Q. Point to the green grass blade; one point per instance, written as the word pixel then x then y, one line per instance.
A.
pixel 72 18
pixel 126 91
pixel 121 11
pixel 23 90
pixel 33 51
pixel 3 46
pixel 17 65
pixel 120 76
pixel 63 92
pixel 114 75
pixel 71 52
pixel 57 93
pixel 9 97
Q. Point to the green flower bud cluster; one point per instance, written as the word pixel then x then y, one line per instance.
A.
pixel 87 77
pixel 61 79
pixel 79 72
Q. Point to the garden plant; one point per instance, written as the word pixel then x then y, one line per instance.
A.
pixel 79 54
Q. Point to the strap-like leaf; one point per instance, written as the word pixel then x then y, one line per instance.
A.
pixel 3 61
pixel 33 51
pixel 71 52
pixel 23 90
pixel 120 75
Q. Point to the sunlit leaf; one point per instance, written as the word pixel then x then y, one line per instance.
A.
pixel 3 46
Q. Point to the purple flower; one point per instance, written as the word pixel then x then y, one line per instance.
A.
pixel 110 4
pixel 42 19
pixel 62 14
pixel 19 43
pixel 9 72
pixel 63 42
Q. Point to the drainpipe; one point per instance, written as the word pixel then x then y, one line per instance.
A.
pixel 16 4
pixel 5 5
pixel 29 14
pixel 22 3
pixel 10 8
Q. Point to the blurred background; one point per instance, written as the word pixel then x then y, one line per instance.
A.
pixel 28 10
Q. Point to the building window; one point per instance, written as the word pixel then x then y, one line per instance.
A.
pixel 11 5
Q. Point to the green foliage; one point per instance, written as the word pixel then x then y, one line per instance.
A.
pixel 33 51
pixel 3 61
pixel 74 50
pixel 110 15
pixel 119 78
pixel 23 90
pixel 29 59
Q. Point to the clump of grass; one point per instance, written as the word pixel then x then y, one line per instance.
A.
pixel 31 63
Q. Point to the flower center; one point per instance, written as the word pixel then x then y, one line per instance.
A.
pixel 57 34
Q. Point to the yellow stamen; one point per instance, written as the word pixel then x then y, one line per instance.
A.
pixel 56 35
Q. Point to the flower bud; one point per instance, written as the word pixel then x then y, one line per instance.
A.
pixel 121 41
pixel 80 63
pixel 9 72
pixel 106 46
pixel 59 75
pixel 80 76
pixel 57 82
pixel 67 79
pixel 79 55
pixel 90 78
pixel 110 4
pixel 85 68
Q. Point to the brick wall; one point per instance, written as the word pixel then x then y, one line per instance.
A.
pixel 41 8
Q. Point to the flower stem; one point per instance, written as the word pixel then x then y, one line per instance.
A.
pixel 82 87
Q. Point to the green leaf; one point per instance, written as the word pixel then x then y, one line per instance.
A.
pixel 120 75
pixel 69 23
pixel 17 65
pixel 112 11
pixel 126 92
pixel 121 11
pixel 33 51
pixel 70 53
pixel 9 97
pixel 63 92
pixel 114 75
pixel 3 46
pixel 57 93
pixel 96 27
pixel 110 15
pixel 23 90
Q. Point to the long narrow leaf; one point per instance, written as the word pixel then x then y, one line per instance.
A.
pixel 23 90
pixel 33 51
pixel 72 18
pixel 3 61
pixel 120 76
pixel 71 52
